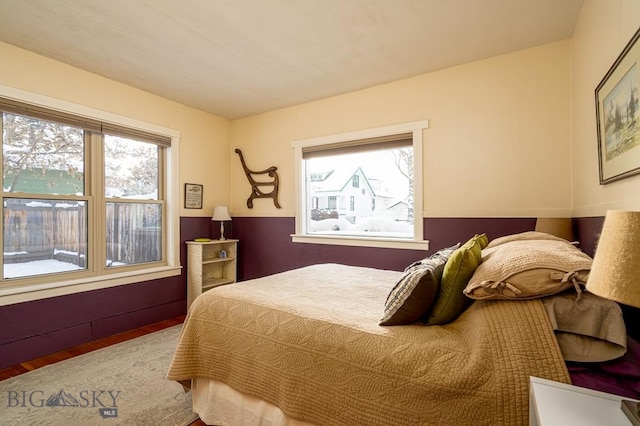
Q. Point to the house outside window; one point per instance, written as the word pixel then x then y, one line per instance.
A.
pixel 82 199
pixel 372 170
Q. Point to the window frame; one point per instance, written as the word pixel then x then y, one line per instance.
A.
pixel 418 242
pixel 34 288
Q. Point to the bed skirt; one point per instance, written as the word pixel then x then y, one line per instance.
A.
pixel 219 404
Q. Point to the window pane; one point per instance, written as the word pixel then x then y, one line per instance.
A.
pixel 131 168
pixel 134 233
pixel 363 194
pixel 41 157
pixel 43 236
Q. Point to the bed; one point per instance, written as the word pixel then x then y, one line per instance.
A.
pixel 306 347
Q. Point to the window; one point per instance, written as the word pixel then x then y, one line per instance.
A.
pixel 378 175
pixel 82 200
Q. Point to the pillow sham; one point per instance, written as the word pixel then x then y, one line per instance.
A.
pixel 528 266
pixel 413 294
pixel 588 328
pixel 450 301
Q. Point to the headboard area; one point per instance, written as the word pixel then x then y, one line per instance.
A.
pixel 587 230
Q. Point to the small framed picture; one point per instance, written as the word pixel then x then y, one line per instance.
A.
pixel 193 196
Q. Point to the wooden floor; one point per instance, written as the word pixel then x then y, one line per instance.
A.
pixel 88 347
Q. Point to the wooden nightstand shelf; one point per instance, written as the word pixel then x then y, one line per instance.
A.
pixel 207 268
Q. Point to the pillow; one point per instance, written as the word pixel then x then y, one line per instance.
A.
pixel 413 294
pixel 588 328
pixel 451 302
pixel 527 266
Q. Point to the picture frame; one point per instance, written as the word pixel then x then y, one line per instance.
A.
pixel 618 116
pixel 193 195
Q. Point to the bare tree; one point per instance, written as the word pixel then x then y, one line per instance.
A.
pixel 404 163
pixel 131 167
pixel 41 147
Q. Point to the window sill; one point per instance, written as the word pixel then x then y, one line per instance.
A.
pixel 361 242
pixel 27 293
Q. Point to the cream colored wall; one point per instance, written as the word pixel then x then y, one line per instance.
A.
pixel 498 142
pixel 603 30
pixel 204 141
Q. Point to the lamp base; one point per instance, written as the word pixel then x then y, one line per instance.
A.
pixel 632 410
pixel 222 238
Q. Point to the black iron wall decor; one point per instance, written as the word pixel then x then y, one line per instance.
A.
pixel 271 186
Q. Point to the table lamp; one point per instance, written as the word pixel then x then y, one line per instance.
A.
pixel 221 213
pixel 616 269
pixel 557 226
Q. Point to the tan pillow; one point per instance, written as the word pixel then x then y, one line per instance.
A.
pixel 528 266
pixel 588 328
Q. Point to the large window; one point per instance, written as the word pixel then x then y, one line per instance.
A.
pixel 82 199
pixel 361 188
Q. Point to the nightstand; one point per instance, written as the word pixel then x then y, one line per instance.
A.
pixel 553 403
pixel 210 264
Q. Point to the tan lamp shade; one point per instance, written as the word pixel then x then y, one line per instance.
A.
pixel 615 272
pixel 561 227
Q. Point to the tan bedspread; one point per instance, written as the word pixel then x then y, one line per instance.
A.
pixel 308 341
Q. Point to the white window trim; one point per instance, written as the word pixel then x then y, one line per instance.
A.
pixel 418 242
pixel 28 292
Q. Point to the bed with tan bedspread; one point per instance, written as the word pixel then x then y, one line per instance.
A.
pixel 308 342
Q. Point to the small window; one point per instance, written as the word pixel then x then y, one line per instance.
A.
pixel 376 177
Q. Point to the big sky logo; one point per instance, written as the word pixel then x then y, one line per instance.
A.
pixel 106 401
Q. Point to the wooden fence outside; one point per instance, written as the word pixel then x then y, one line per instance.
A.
pixel 39 232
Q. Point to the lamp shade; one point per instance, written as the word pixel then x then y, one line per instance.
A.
pixel 221 213
pixel 615 272
pixel 561 227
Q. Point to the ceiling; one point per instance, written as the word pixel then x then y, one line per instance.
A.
pixel 236 58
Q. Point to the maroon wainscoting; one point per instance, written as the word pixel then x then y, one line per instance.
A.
pixel 587 229
pixel 443 232
pixel 32 329
pixel 265 248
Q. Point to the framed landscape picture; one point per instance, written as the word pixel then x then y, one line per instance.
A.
pixel 618 116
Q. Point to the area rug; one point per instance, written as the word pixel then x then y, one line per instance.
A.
pixel 123 384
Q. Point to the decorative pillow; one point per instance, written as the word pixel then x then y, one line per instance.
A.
pixel 413 294
pixel 528 266
pixel 451 302
pixel 588 328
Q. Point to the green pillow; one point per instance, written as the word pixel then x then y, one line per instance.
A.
pixel 458 270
